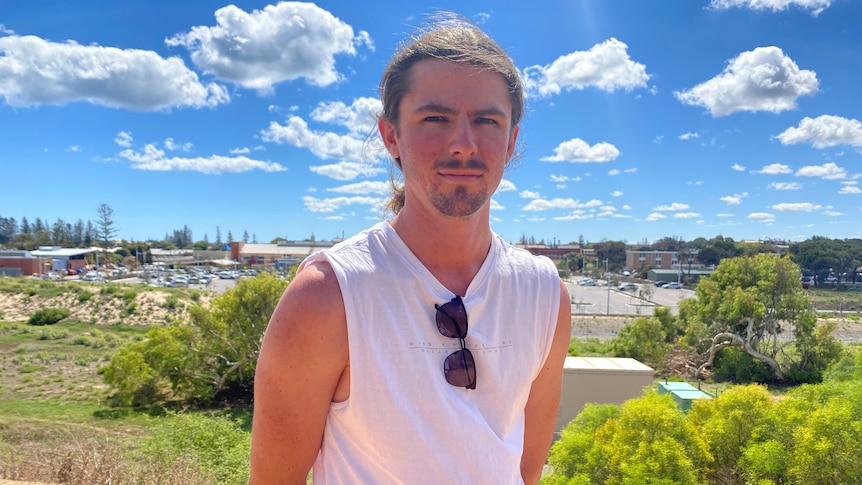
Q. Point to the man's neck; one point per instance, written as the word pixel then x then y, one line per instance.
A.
pixel 452 249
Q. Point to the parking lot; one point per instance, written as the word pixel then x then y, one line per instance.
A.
pixel 601 300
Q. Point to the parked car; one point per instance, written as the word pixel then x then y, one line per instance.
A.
pixel 627 287
pixel 661 284
pixel 673 286
pixel 94 277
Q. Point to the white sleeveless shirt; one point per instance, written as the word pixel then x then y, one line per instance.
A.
pixel 403 423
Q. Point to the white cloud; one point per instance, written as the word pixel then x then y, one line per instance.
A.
pixel 738 167
pixel 240 151
pixel 689 136
pixel 814 6
pixel 154 159
pixel 797 207
pixel 724 214
pixel 347 170
pixel 363 188
pixel 775 169
pixel 630 170
pixel 505 186
pixel 676 206
pixel 764 217
pixel 577 150
pixel 763 79
pixel 282 42
pixel 360 118
pixel 656 216
pixel 606 66
pixel 613 172
pixel 325 145
pixel 850 189
pixel 734 199
pixel 36 72
pixel 833 213
pixel 824 131
pixel 559 178
pixel 829 171
pixel 785 186
pixel 495 206
pixel 314 204
pixel 616 193
pixel 171 145
pixel 529 194
pixel 686 215
pixel 124 139
pixel 545 204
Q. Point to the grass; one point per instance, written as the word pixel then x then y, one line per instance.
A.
pixel 836 300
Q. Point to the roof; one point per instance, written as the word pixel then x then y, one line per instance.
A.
pixel 62 252
pixel 298 249
pixel 620 364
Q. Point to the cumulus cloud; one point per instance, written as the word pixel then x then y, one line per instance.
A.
pixel 764 217
pixel 738 167
pixel 577 150
pixel 314 204
pixel 154 159
pixel 797 207
pixel 347 170
pixel 606 66
pixel 325 145
pixel 365 187
pixel 829 171
pixel 775 169
pixel 282 42
pixel 689 136
pixel 529 194
pixel 616 193
pixel 813 6
pixel 763 79
pixel 686 215
pixel 850 189
pixel 734 199
pixel 676 206
pixel 506 186
pixel 785 186
pixel 124 139
pixel 359 118
pixel 536 205
pixel 656 216
pixel 824 131
pixel 38 72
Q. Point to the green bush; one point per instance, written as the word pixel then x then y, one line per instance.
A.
pixel 219 447
pixel 129 296
pixel 84 296
pixel 48 316
pixel 734 364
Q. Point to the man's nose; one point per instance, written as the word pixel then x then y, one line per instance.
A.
pixel 463 141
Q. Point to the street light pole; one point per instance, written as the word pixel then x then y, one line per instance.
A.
pixel 608 284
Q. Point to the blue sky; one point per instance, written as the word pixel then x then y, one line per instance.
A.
pixel 644 119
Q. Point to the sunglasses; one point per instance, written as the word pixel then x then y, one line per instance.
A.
pixel 459 367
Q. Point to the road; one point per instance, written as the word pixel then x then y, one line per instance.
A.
pixel 596 300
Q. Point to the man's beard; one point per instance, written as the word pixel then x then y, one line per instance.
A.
pixel 459 203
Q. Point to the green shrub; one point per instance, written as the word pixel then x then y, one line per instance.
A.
pixel 171 302
pixel 48 316
pixel 129 296
pixel 219 446
pixel 84 296
pixel 734 364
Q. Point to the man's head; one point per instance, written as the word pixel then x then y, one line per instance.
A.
pixel 451 39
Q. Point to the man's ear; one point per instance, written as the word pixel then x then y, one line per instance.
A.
pixel 388 135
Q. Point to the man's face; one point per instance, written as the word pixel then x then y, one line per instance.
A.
pixel 454 137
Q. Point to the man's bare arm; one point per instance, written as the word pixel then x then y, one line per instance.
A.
pixel 303 357
pixel 544 400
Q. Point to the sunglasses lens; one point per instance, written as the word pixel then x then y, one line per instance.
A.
pixel 460 369
pixel 452 319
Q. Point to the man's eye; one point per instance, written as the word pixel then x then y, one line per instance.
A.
pixel 434 118
pixel 488 121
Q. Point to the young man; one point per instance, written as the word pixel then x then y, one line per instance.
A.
pixel 425 349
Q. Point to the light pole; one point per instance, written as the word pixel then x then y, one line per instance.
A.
pixel 608 284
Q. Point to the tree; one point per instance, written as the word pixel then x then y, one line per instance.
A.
pixel 215 352
pixel 753 303
pixel 218 236
pixel 245 236
pixel 105 225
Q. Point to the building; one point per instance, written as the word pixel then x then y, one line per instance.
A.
pixel 555 252
pixel 662 259
pixel 281 255
pixel 43 260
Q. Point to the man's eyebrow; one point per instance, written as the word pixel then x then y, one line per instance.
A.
pixel 439 108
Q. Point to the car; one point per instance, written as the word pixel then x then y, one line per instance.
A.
pixel 627 273
pixel 94 277
pixel 854 288
pixel 627 287
pixel 588 283
pixel 661 284
pixel 673 286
